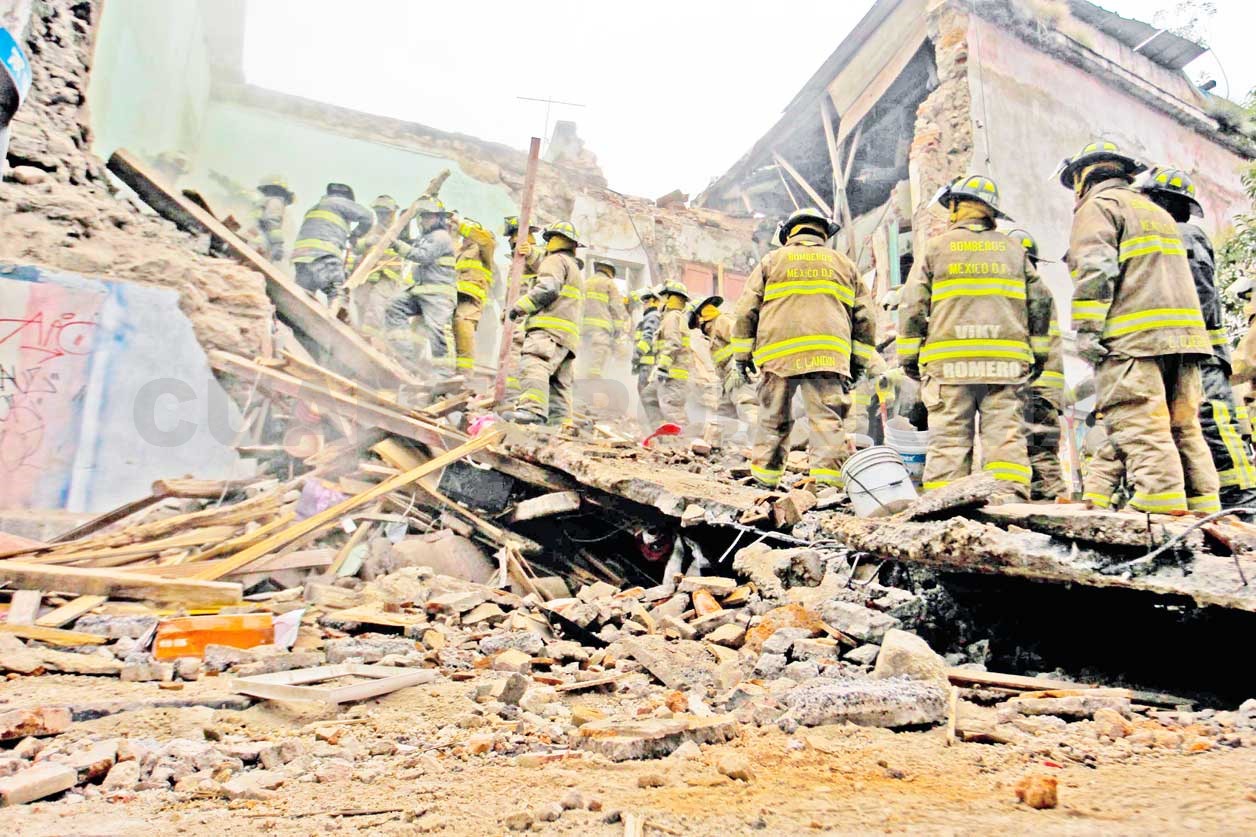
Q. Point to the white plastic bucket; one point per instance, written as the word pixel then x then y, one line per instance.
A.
pixel 877 482
pixel 912 445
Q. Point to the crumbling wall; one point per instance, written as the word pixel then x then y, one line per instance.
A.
pixel 943 145
pixel 58 208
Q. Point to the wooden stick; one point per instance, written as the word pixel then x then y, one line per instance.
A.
pixel 516 270
pixel 53 636
pixel 245 540
pixel 115 584
pixel 359 535
pixel 68 612
pixel 330 515
pixel 107 519
pixel 806 187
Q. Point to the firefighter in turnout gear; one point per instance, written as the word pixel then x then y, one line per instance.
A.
pixel 474 266
pixel 643 357
pixel 1223 421
pixel 1139 324
pixel 318 256
pixel 431 294
pixel 531 262
pixel 718 329
pixel 372 298
pixel 673 359
pixel 806 321
pixel 552 308
pixel 972 327
pixel 605 318
pixel 1044 401
pixel 267 217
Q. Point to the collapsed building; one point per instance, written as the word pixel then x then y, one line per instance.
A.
pixel 492 610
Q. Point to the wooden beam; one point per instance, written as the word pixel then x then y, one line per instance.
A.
pixel 332 514
pixel 68 612
pixel 111 557
pixel 291 301
pixel 189 489
pixel 788 191
pixel 120 585
pixel 547 504
pixel 54 636
pixel 107 519
pixel 840 196
pixel 806 187
pixel 373 256
pixel 516 271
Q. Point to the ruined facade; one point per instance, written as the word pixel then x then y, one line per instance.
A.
pixel 923 91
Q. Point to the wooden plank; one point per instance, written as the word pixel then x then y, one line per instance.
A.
pixel 107 519
pixel 245 540
pixel 291 301
pixel 112 556
pixel 1018 682
pixel 359 534
pixel 190 489
pixel 516 270
pixel 122 585
pixel 334 513
pixel 24 607
pixel 806 187
pixel 53 636
pixel 68 612
pixel 546 505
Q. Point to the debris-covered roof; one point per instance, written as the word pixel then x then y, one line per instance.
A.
pixel 1160 45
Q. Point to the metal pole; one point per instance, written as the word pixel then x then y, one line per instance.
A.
pixel 516 269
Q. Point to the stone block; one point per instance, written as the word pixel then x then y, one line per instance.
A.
pixel 653 737
pixel 37 782
pixel 904 654
pixel 874 703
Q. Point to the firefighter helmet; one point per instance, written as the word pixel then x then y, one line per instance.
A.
pixel 645 294
pixel 1167 181
pixel 974 187
pixel 277 186
pixel 807 216
pixel 429 205
pixel 672 286
pixel 565 229
pixel 602 263
pixel 512 226
pixel 386 202
pixel 696 314
pixel 340 190
pixel 1242 287
pixel 1099 151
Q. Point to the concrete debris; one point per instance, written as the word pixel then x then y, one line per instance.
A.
pixel 653 738
pixel 882 703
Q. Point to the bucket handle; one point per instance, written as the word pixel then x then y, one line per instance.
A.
pixel 869 493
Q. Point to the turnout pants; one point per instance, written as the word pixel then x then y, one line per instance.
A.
pixel 1042 426
pixel 546 378
pixel 326 274
pixel 648 393
pixel 824 396
pixel 1151 409
pixel 1227 433
pixel 466 320
pixel 597 350
pixel 953 410
pixel 515 361
pixel 673 398
pixel 1104 474
pixel 434 305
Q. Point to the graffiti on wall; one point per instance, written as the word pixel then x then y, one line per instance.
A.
pixel 47 336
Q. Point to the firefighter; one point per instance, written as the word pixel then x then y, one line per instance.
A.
pixel 718 329
pixel 604 317
pixel 531 262
pixel 1139 324
pixel 318 256
pixel 673 357
pixel 267 216
pixel 972 328
pixel 385 283
pixel 805 320
pixel 552 308
pixel 1044 402
pixel 1244 357
pixel 1224 423
pixel 431 293
pixel 474 266
pixel 643 357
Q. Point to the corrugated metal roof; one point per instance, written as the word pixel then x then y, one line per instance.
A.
pixel 1165 48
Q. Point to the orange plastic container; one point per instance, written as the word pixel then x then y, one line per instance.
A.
pixel 187 636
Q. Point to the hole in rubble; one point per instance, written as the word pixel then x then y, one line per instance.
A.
pixel 1108 637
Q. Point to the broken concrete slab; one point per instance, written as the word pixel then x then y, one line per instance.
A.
pixel 862 623
pixel 653 737
pixel 904 654
pixel 1074 707
pixel 368 649
pixel 872 703
pixel 37 782
pixel 681 664
pixel 44 720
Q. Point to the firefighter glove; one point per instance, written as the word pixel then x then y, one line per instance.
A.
pixel 1090 349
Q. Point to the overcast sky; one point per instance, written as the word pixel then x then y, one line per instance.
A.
pixel 674 92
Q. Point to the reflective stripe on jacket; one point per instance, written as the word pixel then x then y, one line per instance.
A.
pixel 972 307
pixel 326 229
pixel 802 308
pixel 1132 282
pixel 603 305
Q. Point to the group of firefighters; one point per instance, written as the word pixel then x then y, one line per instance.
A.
pixel 978 345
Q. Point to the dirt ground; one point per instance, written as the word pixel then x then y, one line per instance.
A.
pixel 836 780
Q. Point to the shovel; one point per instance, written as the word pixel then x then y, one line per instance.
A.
pixel 667 429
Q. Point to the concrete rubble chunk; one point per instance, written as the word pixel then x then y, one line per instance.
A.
pixel 904 654
pixel 715 585
pixel 37 782
pixel 862 623
pixel 512 660
pixel 46 720
pixel 816 648
pixel 729 635
pixel 369 649
pixel 123 776
pixel 653 737
pixel 132 627
pixel 252 784
pixel 94 761
pixel 595 591
pixel 1074 707
pixel 287 661
pixel 142 671
pixel 782 639
pixel 681 664
pixel 529 642
pixel 456 602
pixel 871 703
pixel 864 655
